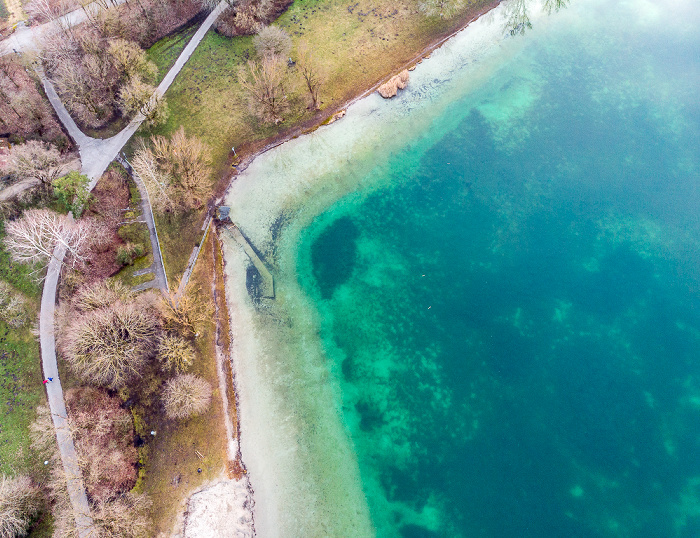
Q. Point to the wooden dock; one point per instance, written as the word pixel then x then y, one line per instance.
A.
pixel 267 287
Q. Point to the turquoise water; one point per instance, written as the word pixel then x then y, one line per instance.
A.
pixel 515 317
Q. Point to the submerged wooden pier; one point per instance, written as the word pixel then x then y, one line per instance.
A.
pixel 267 287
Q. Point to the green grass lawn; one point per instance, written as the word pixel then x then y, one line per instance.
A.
pixel 178 234
pixel 165 52
pixel 21 388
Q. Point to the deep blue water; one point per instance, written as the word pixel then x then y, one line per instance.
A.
pixel 517 322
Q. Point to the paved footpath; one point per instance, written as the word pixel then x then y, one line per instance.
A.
pixel 95 154
pixel 69 457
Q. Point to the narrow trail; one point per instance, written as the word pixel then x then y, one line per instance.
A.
pixel 96 155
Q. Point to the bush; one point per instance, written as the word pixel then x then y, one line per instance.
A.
pixel 247 17
pixel 19 503
pixel 101 294
pixel 272 42
pixel 109 346
pixel 104 440
pixel 134 233
pixel 72 192
pixel 175 353
pixel 13 306
pixel 125 516
pixel 186 396
pixel 126 254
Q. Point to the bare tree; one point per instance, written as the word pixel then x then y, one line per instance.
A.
pixel 131 61
pixel 159 183
pixel 263 83
pixel 186 161
pixel 110 345
pixel 33 238
pixel 18 505
pixel 186 396
pixel 101 294
pixel 137 96
pixel 175 353
pixel 272 42
pixel 311 72
pixel 37 160
pixel 188 313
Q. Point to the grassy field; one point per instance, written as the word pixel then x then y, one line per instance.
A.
pixel 357 43
pixel 21 389
pixel 178 234
pixel 165 52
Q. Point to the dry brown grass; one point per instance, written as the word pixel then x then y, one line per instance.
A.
pixel 179 448
pixel 393 85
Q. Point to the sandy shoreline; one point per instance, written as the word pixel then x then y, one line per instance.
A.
pixel 301 462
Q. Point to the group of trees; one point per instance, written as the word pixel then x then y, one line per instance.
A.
pixel 98 77
pixel 103 435
pixel 24 112
pixel 113 337
pixel 267 79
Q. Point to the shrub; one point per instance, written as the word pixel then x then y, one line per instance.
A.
pixel 272 42
pixel 13 306
pixel 18 505
pixel 126 254
pixel 103 293
pixel 72 192
pixel 175 353
pixel 110 345
pixel 104 435
pixel 125 516
pixel 186 396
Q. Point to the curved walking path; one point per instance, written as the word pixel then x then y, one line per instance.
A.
pixel 95 154
pixel 69 457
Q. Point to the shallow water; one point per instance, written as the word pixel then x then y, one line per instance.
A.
pixel 506 289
